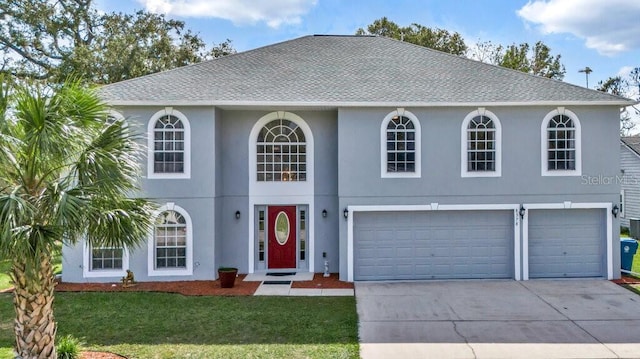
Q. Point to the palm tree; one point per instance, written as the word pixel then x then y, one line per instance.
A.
pixel 67 173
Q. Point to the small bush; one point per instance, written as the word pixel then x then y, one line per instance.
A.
pixel 68 347
pixel 624 230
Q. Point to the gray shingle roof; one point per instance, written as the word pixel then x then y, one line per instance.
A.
pixel 633 142
pixel 347 70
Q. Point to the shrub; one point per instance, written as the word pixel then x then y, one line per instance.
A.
pixel 624 230
pixel 68 347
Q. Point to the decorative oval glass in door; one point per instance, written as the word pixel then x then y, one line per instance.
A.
pixel 282 228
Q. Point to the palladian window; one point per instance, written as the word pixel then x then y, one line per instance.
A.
pixel 281 152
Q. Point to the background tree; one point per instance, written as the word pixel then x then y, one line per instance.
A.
pixel 437 39
pixel 536 59
pixel 66 173
pixel 628 86
pixel 53 39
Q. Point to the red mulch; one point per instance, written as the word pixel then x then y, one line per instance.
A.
pixel 195 287
pixel 100 355
pixel 625 279
pixel 201 287
pixel 331 282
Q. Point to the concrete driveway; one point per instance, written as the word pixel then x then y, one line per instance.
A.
pixel 498 319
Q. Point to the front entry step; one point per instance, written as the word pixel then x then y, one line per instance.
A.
pixel 261 277
pixel 288 282
pixel 281 274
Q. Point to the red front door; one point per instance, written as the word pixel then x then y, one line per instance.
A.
pixel 282 237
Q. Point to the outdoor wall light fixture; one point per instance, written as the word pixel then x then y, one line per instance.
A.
pixel 615 210
pixel 324 213
pixel 345 213
pixel 522 211
pixel 237 214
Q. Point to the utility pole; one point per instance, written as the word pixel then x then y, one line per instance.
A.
pixel 587 70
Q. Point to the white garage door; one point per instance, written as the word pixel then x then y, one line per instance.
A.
pixel 567 243
pixel 433 245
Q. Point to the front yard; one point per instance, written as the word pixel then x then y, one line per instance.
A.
pixel 159 325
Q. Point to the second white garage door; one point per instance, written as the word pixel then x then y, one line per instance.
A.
pixel 433 245
pixel 567 243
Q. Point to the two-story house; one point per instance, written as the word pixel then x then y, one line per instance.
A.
pixel 389 160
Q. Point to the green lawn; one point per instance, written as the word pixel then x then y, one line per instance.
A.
pixel 635 267
pixel 158 325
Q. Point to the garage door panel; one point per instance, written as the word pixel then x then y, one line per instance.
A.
pixel 433 245
pixel 567 243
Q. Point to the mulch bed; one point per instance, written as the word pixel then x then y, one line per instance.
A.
pixel 331 282
pixel 201 287
pixel 194 287
pixel 626 279
pixel 100 355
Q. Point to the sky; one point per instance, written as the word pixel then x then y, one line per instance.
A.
pixel 601 34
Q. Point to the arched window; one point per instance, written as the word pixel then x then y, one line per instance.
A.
pixel 281 152
pixel 561 144
pixel 169 145
pixel 170 250
pixel 481 145
pixel 400 145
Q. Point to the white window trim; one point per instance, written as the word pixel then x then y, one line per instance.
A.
pixel 383 145
pixel 464 172
pixel 622 204
pixel 107 273
pixel 544 144
pixel 116 115
pixel 150 145
pixel 151 258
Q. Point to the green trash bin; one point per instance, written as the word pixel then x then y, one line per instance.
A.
pixel 628 248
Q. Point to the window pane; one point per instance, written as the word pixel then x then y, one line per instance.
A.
pixel 481 144
pixel 561 143
pixel 280 165
pixel 401 145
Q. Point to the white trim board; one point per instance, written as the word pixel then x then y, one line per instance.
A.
pixel 566 205
pixel 434 207
pixel 336 104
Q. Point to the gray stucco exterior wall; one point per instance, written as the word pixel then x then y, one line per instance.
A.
pixel 347 173
pixel 360 182
pixel 218 187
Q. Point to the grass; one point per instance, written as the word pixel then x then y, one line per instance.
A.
pixel 159 325
pixel 635 266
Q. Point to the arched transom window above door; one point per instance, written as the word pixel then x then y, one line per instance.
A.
pixel 281 152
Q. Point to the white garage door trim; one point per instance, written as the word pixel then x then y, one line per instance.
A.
pixel 434 207
pixel 566 205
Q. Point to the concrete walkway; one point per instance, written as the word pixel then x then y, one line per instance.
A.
pixel 286 290
pixel 498 319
